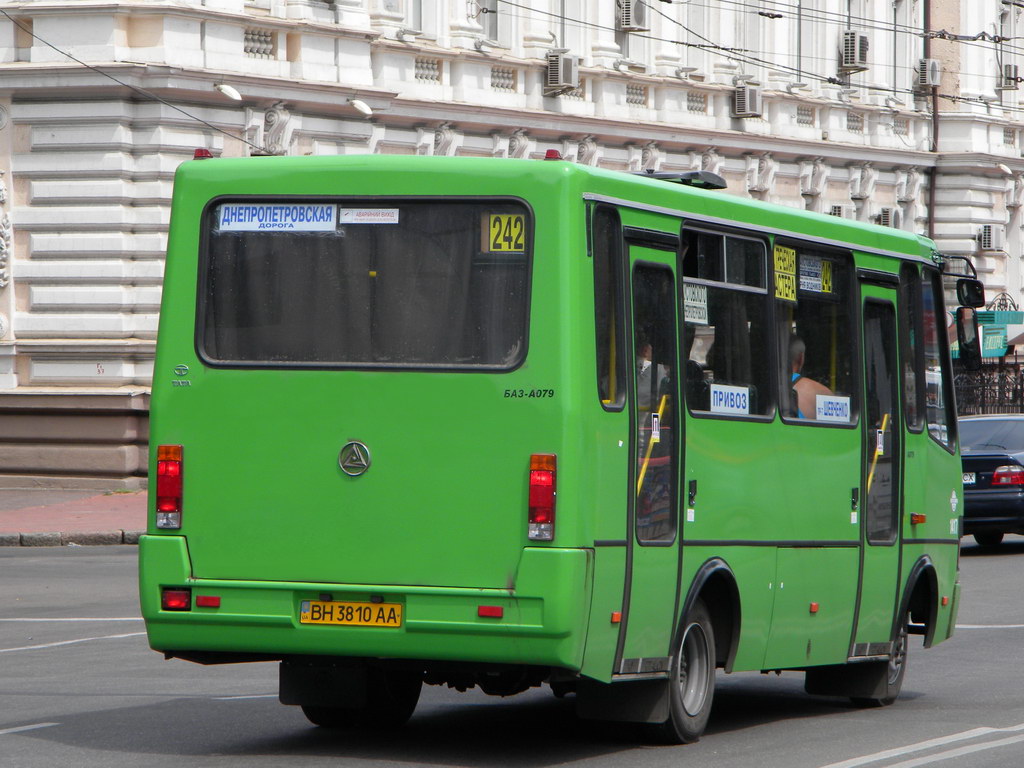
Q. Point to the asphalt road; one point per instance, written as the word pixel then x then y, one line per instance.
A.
pixel 79 687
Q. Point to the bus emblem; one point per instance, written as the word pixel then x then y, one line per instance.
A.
pixel 354 458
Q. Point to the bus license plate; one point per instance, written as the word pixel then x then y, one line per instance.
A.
pixel 969 478
pixel 350 614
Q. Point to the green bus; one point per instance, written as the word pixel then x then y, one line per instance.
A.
pixel 505 423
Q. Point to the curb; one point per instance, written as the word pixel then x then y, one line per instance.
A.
pixel 76 539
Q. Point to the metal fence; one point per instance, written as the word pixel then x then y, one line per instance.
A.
pixel 997 388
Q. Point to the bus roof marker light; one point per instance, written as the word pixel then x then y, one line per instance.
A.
pixel 553 154
pixel 202 153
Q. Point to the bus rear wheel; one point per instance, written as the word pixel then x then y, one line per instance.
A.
pixel 895 670
pixel 391 698
pixel 691 679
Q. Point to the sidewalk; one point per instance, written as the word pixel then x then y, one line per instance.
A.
pixel 52 518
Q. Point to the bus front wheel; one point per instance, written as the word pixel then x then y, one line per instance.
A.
pixel 691 679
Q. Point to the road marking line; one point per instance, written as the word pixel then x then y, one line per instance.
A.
pixel 123 618
pixel 923 745
pixel 990 626
pixel 21 728
pixel 69 642
pixel 254 696
pixel 959 752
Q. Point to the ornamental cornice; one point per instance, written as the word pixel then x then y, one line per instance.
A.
pixel 157 8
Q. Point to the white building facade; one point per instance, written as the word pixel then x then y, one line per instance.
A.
pixel 903 112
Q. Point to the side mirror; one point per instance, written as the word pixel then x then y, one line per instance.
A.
pixel 968 338
pixel 970 292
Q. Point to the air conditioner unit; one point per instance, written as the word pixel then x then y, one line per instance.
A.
pixel 563 73
pixel 853 57
pixel 890 217
pixel 990 237
pixel 1010 81
pixel 929 73
pixel 746 101
pixel 633 16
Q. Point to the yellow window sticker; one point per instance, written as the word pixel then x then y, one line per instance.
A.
pixel 785 273
pixel 504 233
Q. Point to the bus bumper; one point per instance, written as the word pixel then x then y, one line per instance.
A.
pixel 542 622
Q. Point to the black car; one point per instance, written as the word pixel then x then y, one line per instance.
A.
pixel 993 464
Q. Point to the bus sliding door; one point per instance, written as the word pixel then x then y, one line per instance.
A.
pixel 881 476
pixel 653 541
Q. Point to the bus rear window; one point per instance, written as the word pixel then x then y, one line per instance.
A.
pixel 365 283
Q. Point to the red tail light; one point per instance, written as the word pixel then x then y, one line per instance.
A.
pixel 542 497
pixel 1011 474
pixel 176 599
pixel 169 480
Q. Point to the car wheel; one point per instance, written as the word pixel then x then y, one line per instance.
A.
pixel 691 679
pixel 989 538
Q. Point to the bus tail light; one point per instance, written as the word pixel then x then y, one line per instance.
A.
pixel 542 497
pixel 1010 474
pixel 176 599
pixel 169 476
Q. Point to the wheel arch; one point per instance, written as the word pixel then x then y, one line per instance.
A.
pixel 921 598
pixel 715 584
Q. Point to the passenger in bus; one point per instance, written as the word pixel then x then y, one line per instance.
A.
pixel 805 390
pixel 645 387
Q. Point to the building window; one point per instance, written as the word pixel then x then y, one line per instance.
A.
pixel 805 115
pixel 855 122
pixel 901 127
pixel 414 14
pixel 1010 137
pixel 489 18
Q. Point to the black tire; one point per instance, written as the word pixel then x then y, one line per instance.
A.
pixel 391 698
pixel 896 669
pixel 989 538
pixel 691 679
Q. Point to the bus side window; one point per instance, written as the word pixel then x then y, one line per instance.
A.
pixel 938 384
pixel 815 334
pixel 606 247
pixel 911 347
pixel 725 306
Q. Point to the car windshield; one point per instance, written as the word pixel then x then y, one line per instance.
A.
pixel 992 434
